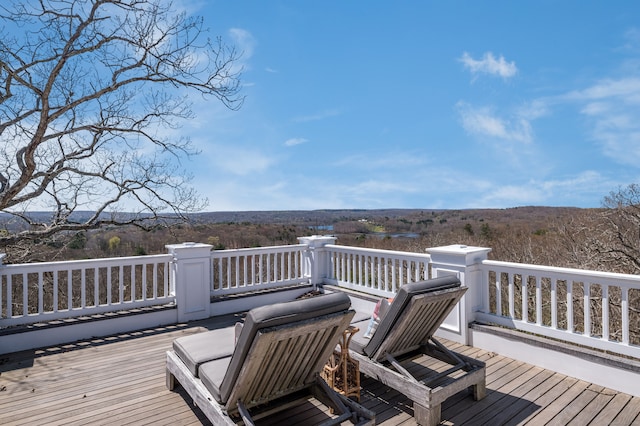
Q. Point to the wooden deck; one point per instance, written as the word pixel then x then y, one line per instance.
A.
pixel 121 380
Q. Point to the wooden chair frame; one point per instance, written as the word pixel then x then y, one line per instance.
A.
pixel 283 361
pixel 412 337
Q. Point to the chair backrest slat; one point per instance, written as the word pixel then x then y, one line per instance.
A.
pixel 414 315
pixel 286 358
pixel 271 316
pixel 419 321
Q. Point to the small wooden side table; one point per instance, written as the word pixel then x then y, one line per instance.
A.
pixel 342 372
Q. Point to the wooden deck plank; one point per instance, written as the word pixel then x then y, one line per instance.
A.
pixel 612 409
pixel 121 380
pixel 596 403
pixel 550 411
pixel 90 382
pixel 389 405
pixel 506 380
pixel 629 414
pixel 573 408
pixel 543 395
pixel 297 411
pixel 513 405
pixel 91 379
pixel 491 360
pixel 82 411
pixel 500 399
pixel 157 412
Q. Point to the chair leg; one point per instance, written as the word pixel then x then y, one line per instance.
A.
pixel 171 380
pixel 426 416
pixel 480 390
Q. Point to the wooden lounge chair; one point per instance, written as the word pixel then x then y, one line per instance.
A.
pixel 279 353
pixel 405 334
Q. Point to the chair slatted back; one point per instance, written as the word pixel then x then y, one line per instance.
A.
pixel 420 319
pixel 286 358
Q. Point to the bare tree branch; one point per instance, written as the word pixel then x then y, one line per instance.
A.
pixel 87 91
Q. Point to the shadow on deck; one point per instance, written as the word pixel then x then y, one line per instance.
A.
pixel 121 380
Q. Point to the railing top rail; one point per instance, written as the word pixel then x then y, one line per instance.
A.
pixel 270 249
pixel 565 271
pixel 84 263
pixel 350 249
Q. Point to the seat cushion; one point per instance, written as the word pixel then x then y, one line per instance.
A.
pixel 400 301
pixel 199 348
pixel 212 373
pixel 275 315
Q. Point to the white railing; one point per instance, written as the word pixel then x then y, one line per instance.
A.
pixel 379 272
pixel 39 292
pixel 594 309
pixel 584 307
pixel 245 270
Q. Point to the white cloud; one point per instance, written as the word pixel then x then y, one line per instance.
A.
pixel 632 40
pixel 595 108
pixel 573 190
pixel 382 161
pixel 574 184
pixel 317 116
pixel 238 161
pixel 533 110
pixel 489 65
pixel 244 41
pixel 375 186
pixel 612 107
pixel 625 89
pixel 482 121
pixel 295 141
pixel 513 195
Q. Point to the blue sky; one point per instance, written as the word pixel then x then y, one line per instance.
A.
pixel 422 104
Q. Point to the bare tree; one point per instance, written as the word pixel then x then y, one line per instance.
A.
pixel 619 238
pixel 91 95
pixel 605 239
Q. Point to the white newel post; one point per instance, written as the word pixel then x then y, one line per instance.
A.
pixel 316 260
pixel 192 279
pixel 463 261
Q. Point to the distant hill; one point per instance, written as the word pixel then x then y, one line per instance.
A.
pixel 313 217
pixel 310 217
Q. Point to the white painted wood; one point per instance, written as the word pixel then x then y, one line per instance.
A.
pixel 606 281
pixel 379 272
pixel 498 290
pixel 33 274
pixel 25 294
pixel 570 305
pixel 242 270
pixel 193 279
pixel 538 301
pixel 574 365
pixel 511 295
pixel 74 331
pixel 376 272
pixel 586 306
pixel 176 370
pixel 605 312
pixel 525 298
pixel 625 315
pixel 245 303
pixel 554 302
